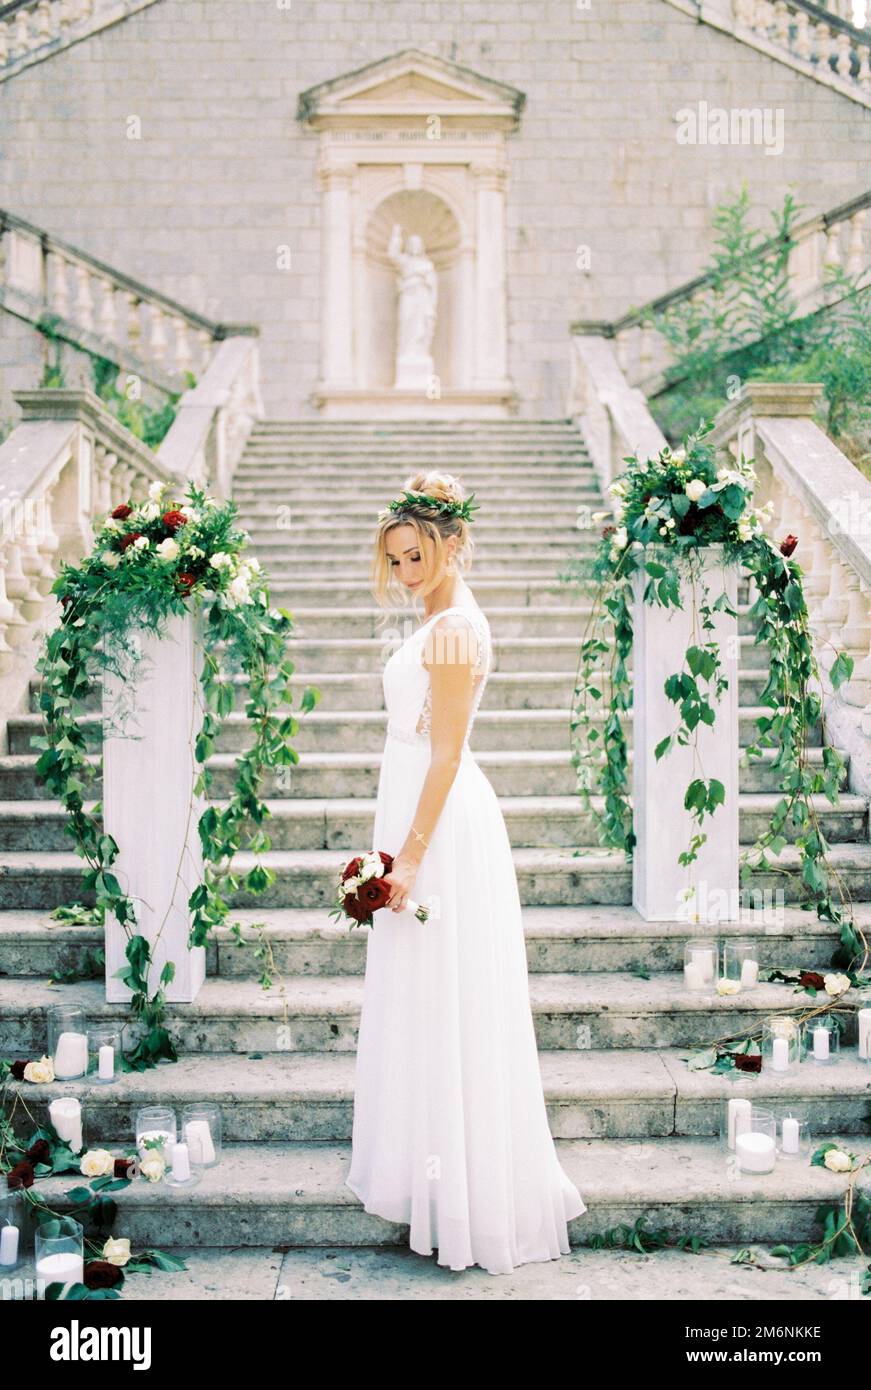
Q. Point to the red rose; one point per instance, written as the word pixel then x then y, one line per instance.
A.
pixel 100 1274
pixel 21 1175
pixel 748 1061
pixel 129 539
pixel 39 1152
pixel 174 520
pixel 123 1168
pixel 608 531
pixel 788 545
pixel 17 1069
pixel 375 893
pixel 809 979
pixel 121 513
pixel 186 581
pixel 357 909
pixel 351 868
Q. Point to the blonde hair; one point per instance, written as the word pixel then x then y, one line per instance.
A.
pixel 429 523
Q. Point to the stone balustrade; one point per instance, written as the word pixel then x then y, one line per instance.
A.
pixel 841 237
pixel 32 30
pixel 101 310
pixel 613 416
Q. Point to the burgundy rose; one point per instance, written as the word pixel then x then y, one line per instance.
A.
pixel 787 546
pixel 121 513
pixel 39 1151
pixel 100 1274
pixel 123 1168
pixel 21 1175
pixel 608 531
pixel 186 581
pixel 748 1061
pixel 17 1069
pixel 128 540
pixel 375 893
pixel 809 979
pixel 174 520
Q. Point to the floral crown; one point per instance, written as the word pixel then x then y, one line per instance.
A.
pixel 462 509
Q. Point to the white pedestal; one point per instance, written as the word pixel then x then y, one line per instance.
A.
pixel 663 828
pixel 151 721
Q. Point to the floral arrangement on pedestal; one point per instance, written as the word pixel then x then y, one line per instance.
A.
pixel 666 509
pixel 153 559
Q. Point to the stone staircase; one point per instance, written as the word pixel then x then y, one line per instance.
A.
pixel 635 1128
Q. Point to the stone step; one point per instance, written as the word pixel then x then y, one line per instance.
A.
pixel 543 822
pixel 540 773
pixel 296 1195
pixel 364 690
pixel 357 550
pixel 571 1013
pixel 308 878
pixel 305 941
pixel 308 1097
pixel 417 453
pixel 357 731
pixel 258 503
pixel 277 520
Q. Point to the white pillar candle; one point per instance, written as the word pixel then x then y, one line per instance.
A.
pixel 198 1138
pixel 780 1054
pixel 181 1166
pixel 749 973
pixel 67 1267
pixel 790 1135
pixel 755 1152
pixel 71 1055
pixel 739 1119
pixel 865 1034
pixel 821 1044
pixel 704 959
pixel 692 976
pixel 8 1245
pixel 65 1114
pixel 106 1070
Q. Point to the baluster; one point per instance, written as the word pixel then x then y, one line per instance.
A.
pixel 108 311
pixel 763 16
pixel 744 11
pixel 12 625
pixel 645 351
pixel 134 323
pixel 204 339
pixel 58 284
pixel 157 337
pixel 22 33
pixel 864 74
pixel 84 310
pixel 47 541
pixel 856 634
pixel 833 245
pixel 44 22
pixel 842 49
pixel 183 356
pixel 104 463
pixel 857 690
pixel 855 247
pixel 622 352
pixel 822 43
pixel 781 23
pixel 833 610
pixel 20 585
pixel 802 35
pixel 5 36
pixel 121 477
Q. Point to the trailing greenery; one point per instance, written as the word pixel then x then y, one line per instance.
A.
pixel 148 423
pixel 152 561
pixel 667 510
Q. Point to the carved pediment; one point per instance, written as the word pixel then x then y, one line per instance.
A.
pixel 408 89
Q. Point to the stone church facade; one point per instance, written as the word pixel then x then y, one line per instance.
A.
pixel 249 158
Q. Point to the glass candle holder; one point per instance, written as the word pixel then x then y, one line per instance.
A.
pixel 756 1147
pixel 781 1044
pixel 201 1131
pixel 104 1045
pixel 60 1255
pixel 11 1230
pixel 700 961
pixel 793 1137
pixel 821 1040
pixel 65 1115
pixel 863 1018
pixel 156 1130
pixel 741 962
pixel 67 1041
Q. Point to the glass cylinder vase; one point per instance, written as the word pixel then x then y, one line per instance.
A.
pixel 741 962
pixel 201 1130
pixel 67 1041
pixel 156 1130
pixel 820 1040
pixel 863 1019
pixel 104 1044
pixel 60 1255
pixel 756 1147
pixel 781 1044
pixel 700 962
pixel 794 1137
pixel 11 1230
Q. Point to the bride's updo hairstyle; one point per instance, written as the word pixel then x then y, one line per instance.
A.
pixel 431 525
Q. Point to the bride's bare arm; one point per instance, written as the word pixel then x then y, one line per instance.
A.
pixel 450 655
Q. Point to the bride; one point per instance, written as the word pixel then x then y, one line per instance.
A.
pixel 450 1129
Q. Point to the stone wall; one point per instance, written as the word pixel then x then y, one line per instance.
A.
pixel 222 177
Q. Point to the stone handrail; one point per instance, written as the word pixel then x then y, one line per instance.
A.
pixel 46 281
pixel 820 40
pixel 213 419
pixel 820 497
pixel 33 30
pixel 834 238
pixel 612 415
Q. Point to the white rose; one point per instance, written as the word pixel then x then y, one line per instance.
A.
pixel 141 543
pixel 837 1161
pixel 111 559
pixel 221 560
pixel 836 984
pixel 116 1251
pixel 153 1167
pixel 168 549
pixel 371 867
pixel 678 455
pixel 617 489
pixel 156 490
pixel 96 1163
pixel 195 552
pixel 238 589
pixel 149 511
pixel 695 489
pixel 637 545
pixel 726 986
pixel 350 885
pixel 192 513
pixel 40 1071
pixel 112 524
pixel 620 537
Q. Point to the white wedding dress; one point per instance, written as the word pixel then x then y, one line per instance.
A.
pixel 450 1128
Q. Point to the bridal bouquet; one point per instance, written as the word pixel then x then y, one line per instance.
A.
pixel 363 889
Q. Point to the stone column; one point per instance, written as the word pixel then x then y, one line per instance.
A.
pixel 491 319
pixel 338 291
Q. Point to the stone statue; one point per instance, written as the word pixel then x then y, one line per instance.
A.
pixel 416 310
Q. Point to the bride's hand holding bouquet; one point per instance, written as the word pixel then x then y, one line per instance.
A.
pixel 375 880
